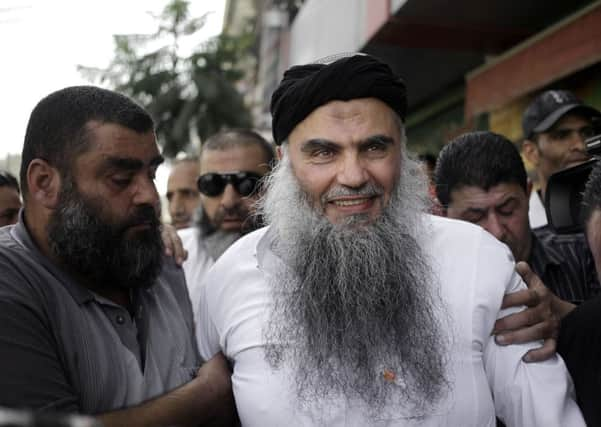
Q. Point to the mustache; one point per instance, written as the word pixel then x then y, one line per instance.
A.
pixel 142 215
pixel 369 189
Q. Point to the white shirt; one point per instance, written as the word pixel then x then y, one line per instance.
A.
pixel 196 265
pixel 475 271
pixel 536 211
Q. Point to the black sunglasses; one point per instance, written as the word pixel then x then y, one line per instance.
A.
pixel 213 184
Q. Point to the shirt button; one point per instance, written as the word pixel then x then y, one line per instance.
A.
pixel 120 320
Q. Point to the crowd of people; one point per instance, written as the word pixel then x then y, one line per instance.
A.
pixel 318 289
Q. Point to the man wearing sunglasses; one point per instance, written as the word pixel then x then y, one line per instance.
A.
pixel 555 126
pixel 232 163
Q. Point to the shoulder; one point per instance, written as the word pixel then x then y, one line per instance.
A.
pixel 187 234
pixel 469 239
pixel 467 257
pixel 236 270
pixel 242 250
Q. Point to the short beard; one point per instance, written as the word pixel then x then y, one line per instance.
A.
pixel 99 250
pixel 356 311
pixel 217 241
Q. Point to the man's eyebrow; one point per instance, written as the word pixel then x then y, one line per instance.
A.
pixel 506 202
pixel 132 164
pixel 382 139
pixel 316 143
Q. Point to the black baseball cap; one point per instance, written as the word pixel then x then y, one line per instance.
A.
pixel 549 107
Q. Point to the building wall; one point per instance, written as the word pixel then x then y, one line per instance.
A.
pixel 327 27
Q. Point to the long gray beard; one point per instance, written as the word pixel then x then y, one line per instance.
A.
pixel 356 311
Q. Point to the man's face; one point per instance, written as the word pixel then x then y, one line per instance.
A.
pixel 593 235
pixel 347 158
pixel 106 223
pixel 182 193
pixel 502 211
pixel 563 145
pixel 230 211
pixel 10 203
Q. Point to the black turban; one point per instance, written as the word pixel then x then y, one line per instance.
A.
pixel 307 87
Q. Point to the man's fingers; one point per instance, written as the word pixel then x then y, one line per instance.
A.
pixel 527 297
pixel 173 244
pixel 543 353
pixel 522 319
pixel 506 332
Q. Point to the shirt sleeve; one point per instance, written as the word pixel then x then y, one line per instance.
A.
pixel 525 394
pixel 30 367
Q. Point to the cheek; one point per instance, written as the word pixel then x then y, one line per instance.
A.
pixel 385 175
pixel 210 206
pixel 315 180
pixel 249 203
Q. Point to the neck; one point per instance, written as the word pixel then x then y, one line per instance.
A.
pixel 542 186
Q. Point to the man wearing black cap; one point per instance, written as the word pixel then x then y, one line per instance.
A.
pixel 555 127
pixel 353 307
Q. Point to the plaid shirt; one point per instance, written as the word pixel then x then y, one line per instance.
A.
pixel 565 265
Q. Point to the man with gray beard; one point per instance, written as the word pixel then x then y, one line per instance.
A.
pixel 93 320
pixel 353 307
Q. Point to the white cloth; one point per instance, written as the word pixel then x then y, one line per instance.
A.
pixel 475 271
pixel 536 212
pixel 196 265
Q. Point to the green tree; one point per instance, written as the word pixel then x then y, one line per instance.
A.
pixel 195 92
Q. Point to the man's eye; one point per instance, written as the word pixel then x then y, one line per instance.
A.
pixel 323 153
pixel 120 181
pixel 560 134
pixel 473 217
pixel 587 132
pixel 505 211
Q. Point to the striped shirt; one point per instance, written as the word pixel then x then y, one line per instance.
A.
pixel 65 348
pixel 565 265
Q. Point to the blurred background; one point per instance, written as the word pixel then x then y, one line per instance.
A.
pixel 200 66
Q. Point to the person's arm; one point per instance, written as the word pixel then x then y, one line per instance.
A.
pixel 206 400
pixel 173 244
pixel 539 321
pixel 524 394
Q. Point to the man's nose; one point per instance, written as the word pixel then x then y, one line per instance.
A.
pixel 352 172
pixel 494 226
pixel 577 141
pixel 176 205
pixel 230 197
pixel 145 192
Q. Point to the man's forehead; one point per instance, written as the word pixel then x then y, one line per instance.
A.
pixel 239 157
pixel 471 196
pixel 369 114
pixel 114 146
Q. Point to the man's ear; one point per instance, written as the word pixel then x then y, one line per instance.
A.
pixel 531 152
pixel 43 182
pixel 529 186
pixel 278 151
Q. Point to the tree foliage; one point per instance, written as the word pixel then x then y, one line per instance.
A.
pixel 195 92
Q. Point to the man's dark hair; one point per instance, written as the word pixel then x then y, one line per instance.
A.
pixel 7 179
pixel 428 158
pixel 57 130
pixel 227 139
pixel 480 159
pixel 591 200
